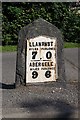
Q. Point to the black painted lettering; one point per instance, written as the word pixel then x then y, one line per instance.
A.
pixel 48 74
pixel 48 55
pixel 34 74
pixel 34 53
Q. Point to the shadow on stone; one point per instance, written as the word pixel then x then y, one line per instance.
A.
pixel 7 86
pixel 50 108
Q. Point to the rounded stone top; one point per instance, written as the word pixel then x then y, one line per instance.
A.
pixel 41 27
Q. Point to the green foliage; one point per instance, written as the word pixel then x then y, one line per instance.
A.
pixel 19 14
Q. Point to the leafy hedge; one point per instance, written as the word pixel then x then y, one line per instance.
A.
pixel 18 14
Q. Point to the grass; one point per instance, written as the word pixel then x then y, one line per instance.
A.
pixel 10 48
pixel 71 45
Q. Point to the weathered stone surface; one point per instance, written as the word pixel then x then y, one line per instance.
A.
pixel 37 28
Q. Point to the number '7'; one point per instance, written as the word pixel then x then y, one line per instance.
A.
pixel 34 53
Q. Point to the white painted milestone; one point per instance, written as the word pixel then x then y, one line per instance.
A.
pixel 41 63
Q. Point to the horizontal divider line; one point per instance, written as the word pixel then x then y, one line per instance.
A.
pixel 40 60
